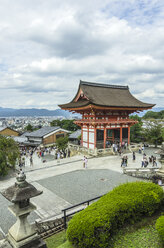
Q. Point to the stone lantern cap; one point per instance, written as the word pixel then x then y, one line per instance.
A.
pixel 21 190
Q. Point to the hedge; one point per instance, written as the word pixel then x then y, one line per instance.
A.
pixel 128 202
pixel 160 227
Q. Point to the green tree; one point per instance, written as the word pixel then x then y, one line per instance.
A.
pixel 69 125
pixel 29 127
pixel 62 143
pixel 153 133
pixel 9 152
pixel 136 130
pixel 55 123
pixel 154 115
pixel 65 124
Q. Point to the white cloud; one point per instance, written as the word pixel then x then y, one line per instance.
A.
pixel 48 46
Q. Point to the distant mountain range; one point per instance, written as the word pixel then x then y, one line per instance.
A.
pixel 9 112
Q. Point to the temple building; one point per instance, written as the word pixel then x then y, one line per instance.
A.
pixel 105 111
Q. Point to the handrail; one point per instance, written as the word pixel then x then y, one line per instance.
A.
pixel 76 205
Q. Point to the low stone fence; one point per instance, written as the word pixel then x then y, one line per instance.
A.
pixel 46 229
pixel 140 172
pixel 135 147
pixel 106 151
pixel 76 149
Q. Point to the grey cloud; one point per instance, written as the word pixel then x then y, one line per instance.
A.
pixel 72 42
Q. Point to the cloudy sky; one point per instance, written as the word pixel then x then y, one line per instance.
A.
pixel 47 46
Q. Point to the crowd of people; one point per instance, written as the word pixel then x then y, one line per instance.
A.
pixel 151 160
pixel 146 161
pixel 119 148
pixel 29 152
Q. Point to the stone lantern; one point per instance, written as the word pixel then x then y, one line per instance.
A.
pixel 22 234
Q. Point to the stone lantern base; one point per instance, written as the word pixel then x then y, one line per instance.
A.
pixel 35 243
pixel 22 234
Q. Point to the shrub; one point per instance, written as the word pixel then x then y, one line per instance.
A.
pixel 128 202
pixel 160 227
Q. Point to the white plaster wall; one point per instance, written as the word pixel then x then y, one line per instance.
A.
pixel 85 136
pixel 91 137
pixel 91 146
pixel 85 144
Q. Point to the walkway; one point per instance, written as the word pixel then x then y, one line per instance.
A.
pixel 67 183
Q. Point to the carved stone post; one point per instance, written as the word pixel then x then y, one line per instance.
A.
pixel 22 234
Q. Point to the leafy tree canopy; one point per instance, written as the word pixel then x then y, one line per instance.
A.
pixel 136 130
pixel 9 152
pixel 62 143
pixel 154 133
pixel 29 127
pixel 66 124
pixel 154 115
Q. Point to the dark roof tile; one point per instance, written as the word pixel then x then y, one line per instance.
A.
pixel 106 95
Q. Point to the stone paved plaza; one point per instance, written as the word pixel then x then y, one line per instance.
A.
pixel 67 183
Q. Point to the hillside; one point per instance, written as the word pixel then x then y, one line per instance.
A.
pixel 9 112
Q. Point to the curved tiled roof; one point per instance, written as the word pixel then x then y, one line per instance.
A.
pixel 42 131
pixel 105 95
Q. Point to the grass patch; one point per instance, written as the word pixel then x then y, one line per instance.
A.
pixel 142 234
pixel 66 245
pixel 56 240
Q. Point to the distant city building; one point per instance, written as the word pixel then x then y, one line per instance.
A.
pixel 105 113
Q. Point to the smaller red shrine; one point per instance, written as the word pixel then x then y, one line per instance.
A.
pixel 105 113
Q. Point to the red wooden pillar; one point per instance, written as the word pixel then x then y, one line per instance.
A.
pixel 104 137
pixel 82 135
pixel 121 134
pixel 113 135
pixel 88 137
pixel 95 136
pixel 128 135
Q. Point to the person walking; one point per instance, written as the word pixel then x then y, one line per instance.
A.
pixel 142 163
pixel 58 157
pixel 86 162
pixel 143 149
pixel 134 156
pixel 31 161
pixel 154 161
